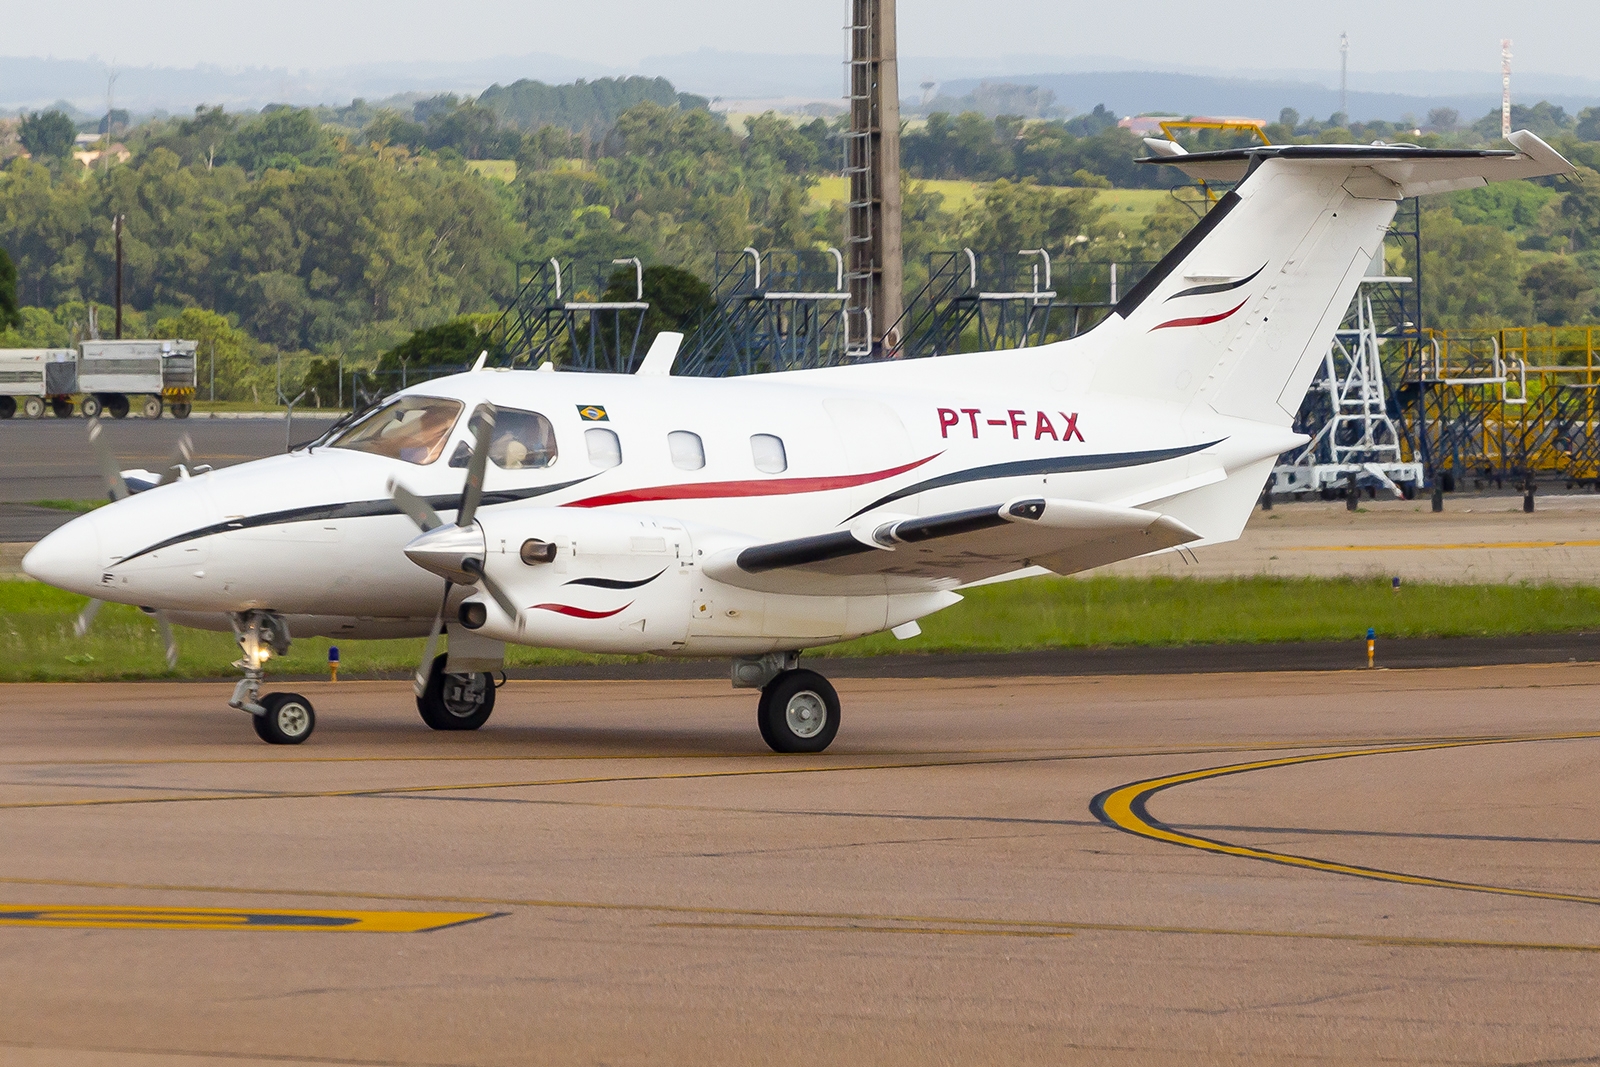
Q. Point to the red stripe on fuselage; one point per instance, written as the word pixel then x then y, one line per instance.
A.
pixel 580 613
pixel 763 487
pixel 1198 320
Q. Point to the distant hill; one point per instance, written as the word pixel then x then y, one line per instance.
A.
pixel 1134 93
pixel 590 106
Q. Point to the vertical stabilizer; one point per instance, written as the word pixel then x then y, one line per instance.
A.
pixel 1238 315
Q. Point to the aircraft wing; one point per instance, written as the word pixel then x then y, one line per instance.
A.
pixel 911 555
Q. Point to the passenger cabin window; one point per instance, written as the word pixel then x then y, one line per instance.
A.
pixel 767 450
pixel 604 448
pixel 687 451
pixel 520 441
pixel 412 428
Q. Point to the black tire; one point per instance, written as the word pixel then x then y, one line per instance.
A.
pixel 150 407
pixel 180 409
pixel 8 406
pixel 61 409
pixel 791 705
pixel 91 407
pixel 117 404
pixel 33 407
pixel 288 720
pixel 455 701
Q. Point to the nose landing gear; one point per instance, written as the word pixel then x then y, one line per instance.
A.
pixel 455 701
pixel 279 718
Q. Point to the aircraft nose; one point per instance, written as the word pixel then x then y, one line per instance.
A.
pixel 68 558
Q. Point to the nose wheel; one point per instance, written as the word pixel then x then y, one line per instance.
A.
pixel 455 701
pixel 799 712
pixel 286 719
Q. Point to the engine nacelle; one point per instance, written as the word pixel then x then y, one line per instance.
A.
pixel 588 580
pixel 604 581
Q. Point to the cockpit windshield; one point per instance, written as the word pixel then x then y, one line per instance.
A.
pixel 412 428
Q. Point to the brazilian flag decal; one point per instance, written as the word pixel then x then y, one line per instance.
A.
pixel 592 413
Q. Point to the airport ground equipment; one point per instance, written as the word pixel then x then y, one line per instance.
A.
pixel 30 379
pixel 114 375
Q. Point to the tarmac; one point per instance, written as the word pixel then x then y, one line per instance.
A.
pixel 51 459
pixel 1351 867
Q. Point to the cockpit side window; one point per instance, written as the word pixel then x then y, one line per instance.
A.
pixel 520 441
pixel 412 428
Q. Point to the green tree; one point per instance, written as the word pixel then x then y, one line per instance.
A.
pixel 450 344
pixel 10 318
pixel 1588 124
pixel 1011 216
pixel 1474 275
pixel 36 328
pixel 47 135
pixel 282 137
pixel 678 300
pixel 1562 292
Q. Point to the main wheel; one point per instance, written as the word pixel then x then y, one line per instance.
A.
pixel 33 407
pixel 150 408
pixel 455 701
pixel 91 407
pixel 61 409
pixel 8 406
pixel 288 719
pixel 181 408
pixel 117 404
pixel 799 712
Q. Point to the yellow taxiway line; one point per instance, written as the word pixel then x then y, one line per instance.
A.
pixel 1126 808
pixel 126 917
pixel 1437 546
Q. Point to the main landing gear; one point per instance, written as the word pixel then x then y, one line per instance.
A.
pixel 799 709
pixel 279 718
pixel 455 701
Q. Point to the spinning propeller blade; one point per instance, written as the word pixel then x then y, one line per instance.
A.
pixel 420 510
pixel 86 618
pixel 497 591
pixel 419 681
pixel 166 637
pixel 472 492
pixel 182 457
pixel 108 463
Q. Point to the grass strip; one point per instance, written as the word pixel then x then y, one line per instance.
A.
pixel 37 643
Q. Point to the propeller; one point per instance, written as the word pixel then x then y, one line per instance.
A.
pixel 454 551
pixel 117 487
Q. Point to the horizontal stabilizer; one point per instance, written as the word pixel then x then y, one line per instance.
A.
pixel 1408 169
pixel 950 550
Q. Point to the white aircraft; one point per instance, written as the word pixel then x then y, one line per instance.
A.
pixel 755 517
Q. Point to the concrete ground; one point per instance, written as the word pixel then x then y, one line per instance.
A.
pixel 1477 538
pixel 1395 867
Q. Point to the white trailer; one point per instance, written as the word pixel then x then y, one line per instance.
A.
pixel 32 379
pixel 114 374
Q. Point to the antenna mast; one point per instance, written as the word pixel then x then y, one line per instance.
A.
pixel 1344 75
pixel 1505 87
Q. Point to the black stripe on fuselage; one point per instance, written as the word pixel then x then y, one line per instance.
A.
pixel 616 583
pixel 1216 287
pixel 1026 468
pixel 354 509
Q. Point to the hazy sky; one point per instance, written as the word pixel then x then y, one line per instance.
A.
pixel 1550 37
